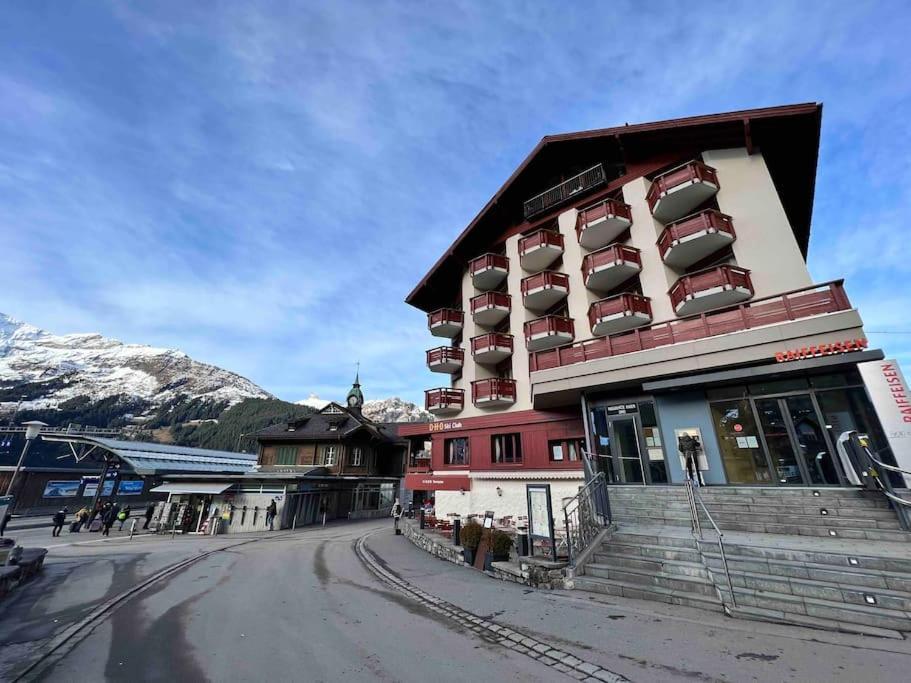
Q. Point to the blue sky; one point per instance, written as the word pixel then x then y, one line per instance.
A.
pixel 261 184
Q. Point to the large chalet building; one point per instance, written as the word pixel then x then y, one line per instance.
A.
pixel 630 287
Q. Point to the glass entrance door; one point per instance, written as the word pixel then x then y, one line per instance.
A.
pixel 619 446
pixel 795 440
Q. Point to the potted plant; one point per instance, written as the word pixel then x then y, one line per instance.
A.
pixel 470 538
pixel 499 543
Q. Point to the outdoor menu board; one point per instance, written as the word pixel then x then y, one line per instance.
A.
pixel 540 516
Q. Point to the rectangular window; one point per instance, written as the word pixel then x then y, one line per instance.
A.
pixel 329 453
pixel 356 459
pixel 740 443
pixel 286 455
pixel 566 450
pixel 456 451
pixel 506 448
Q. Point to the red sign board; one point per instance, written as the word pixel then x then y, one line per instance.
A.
pixel 430 482
pixel 833 348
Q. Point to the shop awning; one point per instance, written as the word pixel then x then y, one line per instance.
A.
pixel 192 487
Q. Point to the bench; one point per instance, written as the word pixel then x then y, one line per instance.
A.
pixel 29 562
pixel 8 577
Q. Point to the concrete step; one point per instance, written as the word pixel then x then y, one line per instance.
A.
pixel 652 536
pixel 888 522
pixel 778 616
pixel 825 590
pixel 652 519
pixel 641 592
pixel 613 556
pixel 868 615
pixel 765 558
pixel 649 579
pixel 657 553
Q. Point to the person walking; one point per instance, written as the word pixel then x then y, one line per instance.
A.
pixel 82 516
pixel 271 511
pixel 59 519
pixel 397 515
pixel 3 522
pixel 123 516
pixel 150 510
pixel 108 518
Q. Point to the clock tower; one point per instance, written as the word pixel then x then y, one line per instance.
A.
pixel 355 399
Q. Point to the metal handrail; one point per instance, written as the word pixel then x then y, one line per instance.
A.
pixel 885 487
pixel 697 525
pixel 891 468
pixel 585 514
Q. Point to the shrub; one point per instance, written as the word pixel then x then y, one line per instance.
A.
pixel 470 536
pixel 499 542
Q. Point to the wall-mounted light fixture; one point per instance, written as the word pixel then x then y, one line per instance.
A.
pixel 499 492
pixel 462 491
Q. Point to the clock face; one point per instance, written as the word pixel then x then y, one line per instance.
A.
pixel 352 401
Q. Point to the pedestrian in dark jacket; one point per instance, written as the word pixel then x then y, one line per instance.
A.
pixel 107 521
pixel 271 511
pixel 150 511
pixel 59 519
pixel 3 522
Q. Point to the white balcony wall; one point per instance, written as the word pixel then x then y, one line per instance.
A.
pixel 765 242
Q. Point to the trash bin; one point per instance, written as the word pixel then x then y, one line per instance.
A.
pixel 522 547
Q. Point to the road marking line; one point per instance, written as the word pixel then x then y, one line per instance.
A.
pixel 505 636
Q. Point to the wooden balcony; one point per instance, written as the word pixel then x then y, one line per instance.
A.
pixel 710 288
pixel 548 332
pixel 599 225
pixel 565 191
pixel 445 322
pixel 542 291
pixel 619 313
pixel 488 271
pixel 446 359
pixel 675 193
pixel 540 249
pixel 494 392
pixel 444 401
pixel 691 239
pixel 491 348
pixel 799 304
pixel 610 267
pixel 491 308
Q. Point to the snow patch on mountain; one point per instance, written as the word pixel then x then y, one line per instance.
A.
pixel 395 410
pixel 313 401
pixel 57 368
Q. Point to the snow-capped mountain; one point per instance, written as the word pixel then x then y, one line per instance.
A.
pixel 49 369
pixel 382 410
pixel 395 410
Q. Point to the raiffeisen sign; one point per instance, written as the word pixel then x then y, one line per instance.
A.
pixel 818 350
pixel 892 399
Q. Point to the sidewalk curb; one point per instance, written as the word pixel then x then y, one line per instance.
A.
pixel 539 650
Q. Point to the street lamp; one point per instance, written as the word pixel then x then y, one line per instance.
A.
pixel 32 429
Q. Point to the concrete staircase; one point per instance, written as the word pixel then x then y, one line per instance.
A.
pixel 845 569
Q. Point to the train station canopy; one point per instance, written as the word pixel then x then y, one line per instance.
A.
pixel 148 458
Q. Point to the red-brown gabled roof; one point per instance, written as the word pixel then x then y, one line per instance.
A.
pixel 788 136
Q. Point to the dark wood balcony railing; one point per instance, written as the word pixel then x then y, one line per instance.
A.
pixel 542 238
pixel 609 207
pixel 491 340
pixel 549 324
pixel 492 389
pixel 828 297
pixel 558 194
pixel 448 316
pixel 547 279
pixel 490 299
pixel 451 398
pixel 445 354
pixel 710 219
pixel 634 303
pixel 420 462
pixel 486 261
pixel 612 255
pixel 720 276
pixel 692 170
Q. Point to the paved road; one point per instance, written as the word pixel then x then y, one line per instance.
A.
pixel 301 606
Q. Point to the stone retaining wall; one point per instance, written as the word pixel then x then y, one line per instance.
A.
pixel 529 573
